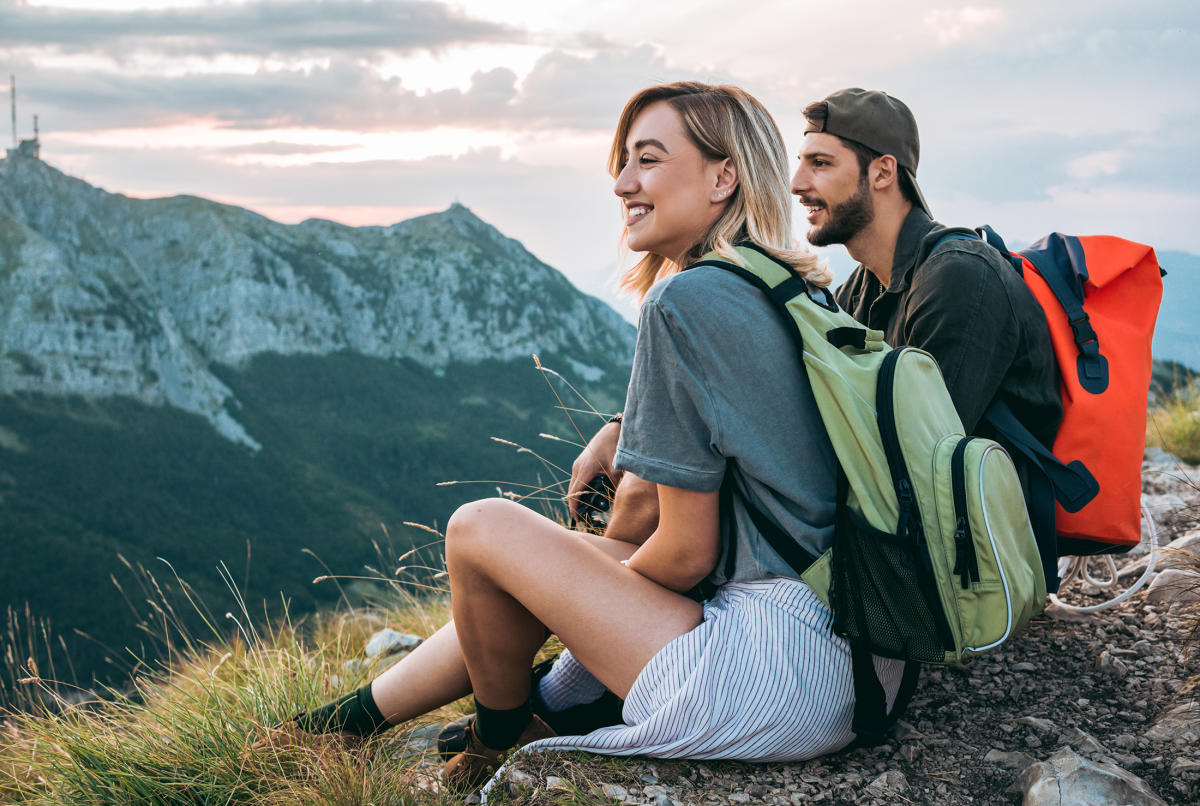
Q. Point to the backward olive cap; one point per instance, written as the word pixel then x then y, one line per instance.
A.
pixel 879 122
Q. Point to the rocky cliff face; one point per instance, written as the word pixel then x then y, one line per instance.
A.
pixel 103 295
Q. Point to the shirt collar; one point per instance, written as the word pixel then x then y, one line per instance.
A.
pixel 917 225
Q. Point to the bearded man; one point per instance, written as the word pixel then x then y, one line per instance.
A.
pixel 958 300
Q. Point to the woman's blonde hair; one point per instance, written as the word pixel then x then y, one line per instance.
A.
pixel 724 122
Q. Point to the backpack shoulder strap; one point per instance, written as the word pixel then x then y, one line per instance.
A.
pixel 782 286
pixel 1060 261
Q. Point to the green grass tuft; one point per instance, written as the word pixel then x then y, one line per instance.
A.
pixel 1173 423
pixel 183 735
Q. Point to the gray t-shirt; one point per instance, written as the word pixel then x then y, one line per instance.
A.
pixel 716 377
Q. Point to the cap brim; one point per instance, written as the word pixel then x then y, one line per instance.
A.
pixel 924 205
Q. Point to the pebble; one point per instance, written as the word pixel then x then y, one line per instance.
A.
pixel 1144 648
pixel 1180 722
pixel 1009 760
pixel 1185 766
pixel 1128 761
pixel 1062 614
pixel 614 791
pixel 1174 586
pixel 1125 740
pixel 1083 741
pixel 1113 666
pixel 1039 724
pixel 554 782
pixel 892 781
pixel 389 642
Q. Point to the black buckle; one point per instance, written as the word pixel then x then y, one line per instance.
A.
pixel 1083 330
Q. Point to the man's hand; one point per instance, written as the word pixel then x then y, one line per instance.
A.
pixel 596 459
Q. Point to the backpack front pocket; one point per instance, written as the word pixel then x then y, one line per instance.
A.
pixel 988 552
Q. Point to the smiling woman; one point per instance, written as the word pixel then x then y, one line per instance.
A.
pixel 676 147
pixel 717 648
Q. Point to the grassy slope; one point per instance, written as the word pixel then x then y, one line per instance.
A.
pixel 349 443
pixel 184 739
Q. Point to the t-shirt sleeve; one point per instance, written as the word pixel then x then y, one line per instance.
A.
pixel 962 316
pixel 670 431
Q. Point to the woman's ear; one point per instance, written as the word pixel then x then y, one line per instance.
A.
pixel 726 181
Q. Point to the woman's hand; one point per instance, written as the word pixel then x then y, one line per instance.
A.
pixel 684 548
pixel 596 459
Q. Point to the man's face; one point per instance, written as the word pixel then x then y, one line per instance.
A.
pixel 833 189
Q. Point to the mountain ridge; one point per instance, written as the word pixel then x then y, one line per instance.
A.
pixel 105 295
pixel 187 381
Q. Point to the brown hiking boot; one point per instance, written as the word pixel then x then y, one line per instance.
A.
pixel 471 768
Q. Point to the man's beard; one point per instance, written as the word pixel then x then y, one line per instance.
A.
pixel 846 219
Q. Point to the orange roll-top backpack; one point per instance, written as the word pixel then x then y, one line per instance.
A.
pixel 1100 295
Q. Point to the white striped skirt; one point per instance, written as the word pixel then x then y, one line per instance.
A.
pixel 762 678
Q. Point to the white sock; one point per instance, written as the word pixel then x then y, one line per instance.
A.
pixel 569 683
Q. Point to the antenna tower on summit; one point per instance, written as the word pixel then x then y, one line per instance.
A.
pixel 30 147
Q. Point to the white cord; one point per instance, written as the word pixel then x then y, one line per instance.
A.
pixel 1112 573
pixel 1070 567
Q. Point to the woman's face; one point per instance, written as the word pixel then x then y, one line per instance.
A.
pixel 672 192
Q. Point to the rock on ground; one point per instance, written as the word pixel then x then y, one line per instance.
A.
pixel 1068 779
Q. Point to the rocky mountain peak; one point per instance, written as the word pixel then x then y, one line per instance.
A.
pixel 105 295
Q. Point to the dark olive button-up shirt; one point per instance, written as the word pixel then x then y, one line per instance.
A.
pixel 972 311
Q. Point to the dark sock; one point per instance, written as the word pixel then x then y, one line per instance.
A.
pixel 500 728
pixel 354 713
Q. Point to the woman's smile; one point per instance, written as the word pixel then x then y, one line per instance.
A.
pixel 635 213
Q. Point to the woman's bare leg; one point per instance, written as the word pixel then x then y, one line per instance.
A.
pixel 435 673
pixel 429 677
pixel 513 573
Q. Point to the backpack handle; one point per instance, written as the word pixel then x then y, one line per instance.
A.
pixel 1060 261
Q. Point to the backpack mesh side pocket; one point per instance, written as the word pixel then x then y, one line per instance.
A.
pixel 883 596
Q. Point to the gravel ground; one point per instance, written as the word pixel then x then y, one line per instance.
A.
pixel 1097 683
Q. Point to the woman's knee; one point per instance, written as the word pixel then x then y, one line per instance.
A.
pixel 477 525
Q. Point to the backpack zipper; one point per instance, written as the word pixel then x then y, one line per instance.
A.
pixel 909 521
pixel 1008 627
pixel 966 564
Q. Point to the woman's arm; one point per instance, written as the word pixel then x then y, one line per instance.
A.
pixel 634 510
pixel 684 548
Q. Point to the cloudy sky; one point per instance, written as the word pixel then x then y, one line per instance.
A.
pixel 1077 115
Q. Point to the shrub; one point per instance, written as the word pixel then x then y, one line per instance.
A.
pixel 1173 423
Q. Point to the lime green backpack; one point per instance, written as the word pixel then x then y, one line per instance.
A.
pixel 933 558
